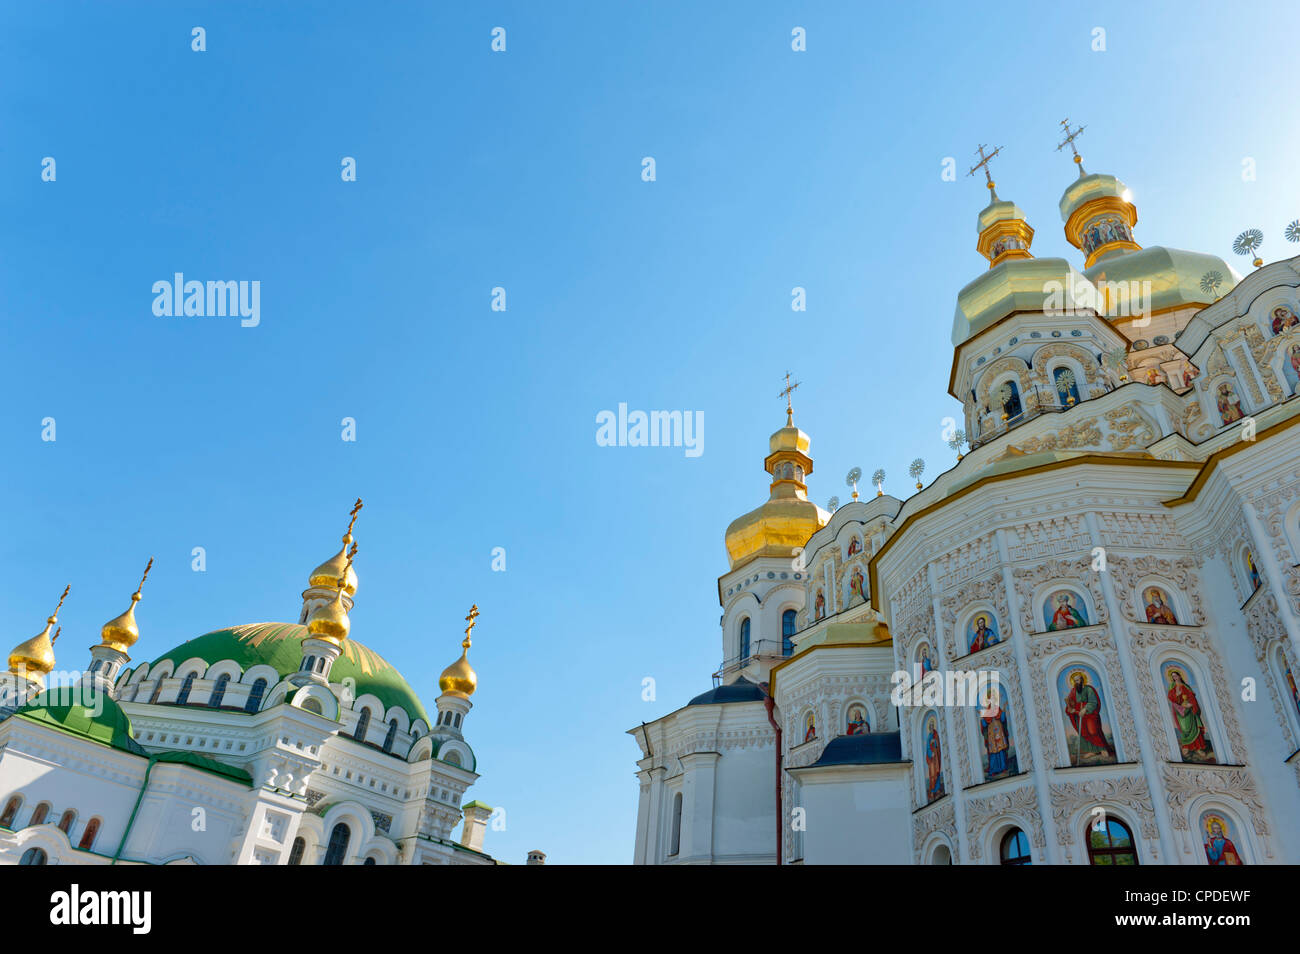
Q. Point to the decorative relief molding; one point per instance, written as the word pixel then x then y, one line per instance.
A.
pixel 1018 802
pixel 1184 783
pixel 1044 539
pixel 1180 572
pixel 1130 428
pixel 939 818
pixel 1070 798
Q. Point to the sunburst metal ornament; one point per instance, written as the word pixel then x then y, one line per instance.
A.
pixel 878 478
pixel 1293 231
pixel 833 504
pixel 1211 282
pixel 852 480
pixel 916 469
pixel 957 441
pixel 1246 244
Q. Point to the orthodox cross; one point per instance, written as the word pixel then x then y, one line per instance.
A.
pixel 356 509
pixel 55 615
pixel 984 164
pixel 786 392
pixel 1070 137
pixel 472 618
pixel 147 568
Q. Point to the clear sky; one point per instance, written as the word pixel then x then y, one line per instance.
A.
pixel 476 428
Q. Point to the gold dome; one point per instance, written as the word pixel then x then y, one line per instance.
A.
pixel 459 679
pixel 121 632
pixel 328 573
pixel 788 518
pixel 35 657
pixel 329 621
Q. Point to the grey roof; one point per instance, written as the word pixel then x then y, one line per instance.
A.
pixel 869 748
pixel 742 690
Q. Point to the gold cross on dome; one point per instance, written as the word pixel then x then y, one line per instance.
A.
pixel 984 164
pixel 472 618
pixel 1070 137
pixel 786 392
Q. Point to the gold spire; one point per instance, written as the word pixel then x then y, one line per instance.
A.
pixel 34 659
pixel 329 621
pixel 121 632
pixel 327 573
pixel 459 679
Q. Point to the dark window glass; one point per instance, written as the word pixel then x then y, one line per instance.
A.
pixel 255 696
pixel 744 640
pixel 183 697
pixel 88 836
pixel 38 816
pixel 11 812
pixel 1015 848
pixel 219 692
pixel 391 736
pixel 295 852
pixel 676 845
pixel 33 856
pixel 787 632
pixel 363 723
pixel 1111 844
pixel 338 846
pixel 65 823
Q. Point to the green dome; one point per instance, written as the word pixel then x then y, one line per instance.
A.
pixel 279 645
pixel 66 708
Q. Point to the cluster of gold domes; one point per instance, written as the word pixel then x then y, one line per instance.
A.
pixel 459 679
pixel 329 621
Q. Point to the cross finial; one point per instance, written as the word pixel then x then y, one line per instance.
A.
pixel 352 555
pixel 785 393
pixel 472 618
pixel 54 617
pixel 55 638
pixel 1070 137
pixel 147 568
pixel 356 509
pixel 984 164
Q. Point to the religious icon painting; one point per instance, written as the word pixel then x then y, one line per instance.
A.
pixel 1283 318
pixel 855 546
pixel 857 584
pixel 998 751
pixel 809 727
pixel 981 632
pixel 1088 738
pixel 1229 404
pixel 1158 607
pixel 819 605
pixel 1064 609
pixel 858 723
pixel 932 753
pixel 1253 572
pixel 1217 833
pixel 1291 368
pixel 1294 689
pixel 1185 705
pixel 925 658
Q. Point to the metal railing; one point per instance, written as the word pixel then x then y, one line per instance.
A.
pixel 1041 401
pixel 758 649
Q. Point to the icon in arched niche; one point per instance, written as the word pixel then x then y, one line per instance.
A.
pixel 809 727
pixel 924 659
pixel 1284 318
pixel 858 723
pixel 1064 609
pixel 855 546
pixel 819 605
pixel 1295 690
pixel 1229 404
pixel 1067 388
pixel 1253 572
pixel 857 584
pixel 1291 367
pixel 982 632
pixel 999 751
pixel 933 753
pixel 1219 846
pixel 1189 724
pixel 1088 736
pixel 1158 607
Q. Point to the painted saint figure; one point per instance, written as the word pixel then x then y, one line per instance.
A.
pixel 1188 724
pixel 1219 849
pixel 856 584
pixel 1090 745
pixel 1158 611
pixel 996 733
pixel 819 605
pixel 933 760
pixel 810 728
pixel 1229 405
pixel 1065 615
pixel 855 545
pixel 1255 580
pixel 1284 318
pixel 926 664
pixel 982 635
pixel 857 721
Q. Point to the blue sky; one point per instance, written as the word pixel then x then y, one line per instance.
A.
pixel 475 428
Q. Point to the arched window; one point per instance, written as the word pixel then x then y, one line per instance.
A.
pixel 34 856
pixel 787 632
pixel 338 846
pixel 10 812
pixel 453 758
pixel 312 705
pixel 1006 401
pixel 1111 843
pixel 1015 848
pixel 157 691
pixel 88 836
pixel 38 816
pixel 391 736
pixel 65 822
pixel 458 720
pixel 942 856
pixel 183 697
pixel 744 640
pixel 255 696
pixel 363 723
pixel 296 850
pixel 676 845
pixel 369 861
pixel 219 691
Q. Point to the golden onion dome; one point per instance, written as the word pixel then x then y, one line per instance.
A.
pixel 36 655
pixel 459 679
pixel 329 621
pixel 788 518
pixel 1175 276
pixel 1019 284
pixel 121 632
pixel 328 573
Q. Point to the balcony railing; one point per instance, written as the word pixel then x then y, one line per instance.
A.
pixel 758 649
pixel 1038 402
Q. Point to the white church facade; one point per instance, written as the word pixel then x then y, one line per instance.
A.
pixel 1119 546
pixel 268 743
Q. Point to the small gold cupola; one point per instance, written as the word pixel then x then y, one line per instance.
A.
pixel 459 679
pixel 1004 234
pixel 327 574
pixel 121 632
pixel 33 659
pixel 329 621
pixel 1097 210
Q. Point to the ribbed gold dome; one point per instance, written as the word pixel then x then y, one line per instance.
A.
pixel 329 621
pixel 328 573
pixel 459 679
pixel 788 518
pixel 36 655
pixel 121 632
